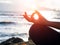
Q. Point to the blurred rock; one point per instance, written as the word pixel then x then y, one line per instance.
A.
pixel 17 41
pixel 12 41
pixel 30 42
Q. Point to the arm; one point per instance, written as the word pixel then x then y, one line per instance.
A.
pixel 52 24
pixel 55 24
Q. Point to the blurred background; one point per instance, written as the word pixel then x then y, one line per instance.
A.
pixel 12 22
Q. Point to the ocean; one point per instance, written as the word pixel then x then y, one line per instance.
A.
pixel 13 25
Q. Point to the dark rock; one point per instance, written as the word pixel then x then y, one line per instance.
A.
pixel 16 40
pixel 12 41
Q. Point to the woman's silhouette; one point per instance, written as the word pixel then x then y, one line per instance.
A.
pixel 41 33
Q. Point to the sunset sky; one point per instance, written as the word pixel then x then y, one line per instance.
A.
pixel 21 5
pixel 28 5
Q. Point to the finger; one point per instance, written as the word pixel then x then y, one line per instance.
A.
pixel 25 13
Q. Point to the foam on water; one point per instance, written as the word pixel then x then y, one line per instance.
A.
pixel 8 31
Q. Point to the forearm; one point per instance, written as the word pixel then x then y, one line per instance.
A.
pixel 55 24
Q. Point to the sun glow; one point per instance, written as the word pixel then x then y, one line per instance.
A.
pixel 36 17
pixel 30 5
pixel 49 15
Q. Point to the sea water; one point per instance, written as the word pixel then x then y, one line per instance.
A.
pixel 18 27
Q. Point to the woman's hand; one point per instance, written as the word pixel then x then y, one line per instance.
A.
pixel 27 17
pixel 41 19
